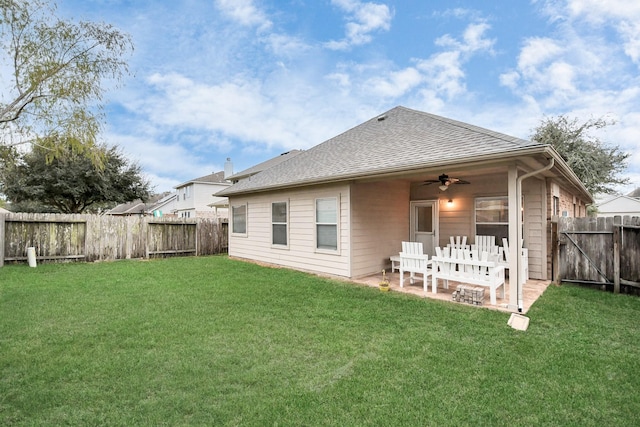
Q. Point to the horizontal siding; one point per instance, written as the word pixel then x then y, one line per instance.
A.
pixel 301 253
pixel 380 222
pixel 459 220
pixel 456 220
pixel 533 190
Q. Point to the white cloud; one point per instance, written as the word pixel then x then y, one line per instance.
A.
pixel 285 45
pixel 440 77
pixel 630 32
pixel 258 114
pixel 364 18
pixel 245 12
pixel 160 160
pixel 444 71
pixel 396 83
pixel 473 39
pixel 510 79
pixel 622 16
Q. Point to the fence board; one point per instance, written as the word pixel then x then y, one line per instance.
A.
pixel 107 237
pixel 599 251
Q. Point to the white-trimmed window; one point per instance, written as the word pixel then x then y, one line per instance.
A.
pixel 239 219
pixel 492 217
pixel 279 223
pixel 327 224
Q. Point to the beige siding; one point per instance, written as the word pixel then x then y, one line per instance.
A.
pixel 301 252
pixel 533 191
pixel 456 219
pixel 379 223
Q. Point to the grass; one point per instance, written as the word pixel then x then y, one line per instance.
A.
pixel 213 341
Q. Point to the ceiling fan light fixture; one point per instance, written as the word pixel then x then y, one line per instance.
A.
pixel 443 187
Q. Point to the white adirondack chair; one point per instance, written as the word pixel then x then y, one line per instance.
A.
pixel 459 242
pixel 525 258
pixel 487 244
pixel 414 261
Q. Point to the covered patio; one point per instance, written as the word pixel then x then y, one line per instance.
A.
pixel 531 291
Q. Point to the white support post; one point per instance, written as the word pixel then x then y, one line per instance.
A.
pixel 513 236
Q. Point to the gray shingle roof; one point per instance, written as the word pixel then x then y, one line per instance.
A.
pixel 264 165
pixel 135 207
pixel 398 140
pixel 213 178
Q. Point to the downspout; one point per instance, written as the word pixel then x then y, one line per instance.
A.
pixel 516 246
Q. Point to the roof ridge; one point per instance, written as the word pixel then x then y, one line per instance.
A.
pixel 468 126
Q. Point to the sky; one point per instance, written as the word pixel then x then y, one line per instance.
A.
pixel 251 79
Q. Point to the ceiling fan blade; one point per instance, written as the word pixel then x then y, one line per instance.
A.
pixel 445 181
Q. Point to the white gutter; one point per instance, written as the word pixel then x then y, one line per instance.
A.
pixel 517 249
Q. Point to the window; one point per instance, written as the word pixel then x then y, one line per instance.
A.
pixel 556 206
pixel 424 219
pixel 279 223
pixel 492 217
pixel 327 224
pixel 239 219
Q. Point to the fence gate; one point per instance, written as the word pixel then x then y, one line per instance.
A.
pixel 603 251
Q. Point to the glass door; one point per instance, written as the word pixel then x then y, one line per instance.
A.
pixel 424 225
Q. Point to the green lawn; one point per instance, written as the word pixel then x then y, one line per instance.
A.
pixel 215 342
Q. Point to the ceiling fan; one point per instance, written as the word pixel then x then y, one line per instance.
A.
pixel 445 181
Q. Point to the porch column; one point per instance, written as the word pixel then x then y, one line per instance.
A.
pixel 512 179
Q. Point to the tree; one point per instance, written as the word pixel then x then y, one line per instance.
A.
pixel 71 182
pixel 596 163
pixel 52 76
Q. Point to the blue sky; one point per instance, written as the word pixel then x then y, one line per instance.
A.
pixel 250 79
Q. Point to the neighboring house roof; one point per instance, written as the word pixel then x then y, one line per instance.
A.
pixel 264 165
pixel 214 178
pixel 222 203
pixel 619 205
pixel 635 193
pixel 135 207
pixel 400 140
pixel 4 211
pixel 167 200
pixel 139 207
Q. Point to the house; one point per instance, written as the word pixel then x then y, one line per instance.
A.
pixel 165 206
pixel 344 206
pixel 619 205
pixel 137 207
pixel 159 205
pixel 195 197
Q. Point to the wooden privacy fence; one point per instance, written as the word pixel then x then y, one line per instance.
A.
pixel 603 251
pixel 107 237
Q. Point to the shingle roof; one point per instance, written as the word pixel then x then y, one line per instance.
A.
pixel 264 165
pixel 213 178
pixel 635 193
pixel 400 139
pixel 135 207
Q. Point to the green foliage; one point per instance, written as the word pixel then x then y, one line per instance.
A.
pixel 596 163
pixel 72 182
pixel 217 342
pixel 53 84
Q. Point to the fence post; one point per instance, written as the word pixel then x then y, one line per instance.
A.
pixel 617 225
pixel 557 225
pixel 198 222
pixel 2 239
